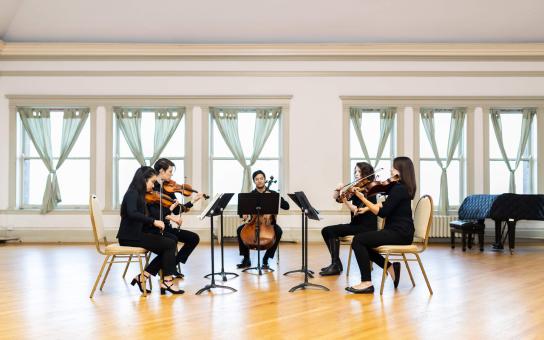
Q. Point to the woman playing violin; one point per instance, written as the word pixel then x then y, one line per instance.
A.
pixel 259 178
pixel 361 221
pixel 165 169
pixel 135 231
pixel 398 229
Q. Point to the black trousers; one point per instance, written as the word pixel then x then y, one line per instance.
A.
pixel 364 243
pixel 161 245
pixel 244 250
pixel 190 241
pixel 341 230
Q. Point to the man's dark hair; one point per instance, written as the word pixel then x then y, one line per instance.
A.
pixel 258 172
pixel 164 164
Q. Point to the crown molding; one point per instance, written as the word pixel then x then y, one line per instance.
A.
pixel 445 101
pixel 203 73
pixel 429 51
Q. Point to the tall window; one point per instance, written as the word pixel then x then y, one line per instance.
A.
pixel 73 175
pixel 125 163
pixel 372 126
pixel 499 174
pixel 430 172
pixel 226 170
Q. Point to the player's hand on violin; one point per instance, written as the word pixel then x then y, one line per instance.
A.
pixel 159 224
pixel 174 206
pixel 198 196
pixel 355 189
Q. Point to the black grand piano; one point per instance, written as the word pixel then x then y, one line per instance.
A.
pixel 507 209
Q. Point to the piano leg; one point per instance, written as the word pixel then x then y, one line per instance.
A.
pixel 511 235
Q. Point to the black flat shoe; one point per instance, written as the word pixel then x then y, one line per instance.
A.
pixel 265 266
pixel 244 264
pixel 136 280
pixel 179 276
pixel 367 290
pixel 396 269
pixel 331 270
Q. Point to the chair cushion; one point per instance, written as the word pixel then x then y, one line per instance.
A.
pixel 116 249
pixel 394 248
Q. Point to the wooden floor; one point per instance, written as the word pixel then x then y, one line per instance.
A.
pixel 45 288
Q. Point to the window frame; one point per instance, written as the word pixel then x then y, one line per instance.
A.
pixel 23 145
pixel 392 137
pixel 117 135
pixel 532 157
pixel 281 145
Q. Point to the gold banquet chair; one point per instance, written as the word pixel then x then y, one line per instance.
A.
pixel 111 251
pixel 423 216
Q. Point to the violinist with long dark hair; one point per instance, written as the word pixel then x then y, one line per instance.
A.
pixel 398 228
pixel 259 178
pixel 134 232
pixel 165 169
pixel 361 220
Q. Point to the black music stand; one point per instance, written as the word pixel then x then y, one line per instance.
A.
pixel 223 201
pixel 309 213
pixel 303 269
pixel 215 208
pixel 258 204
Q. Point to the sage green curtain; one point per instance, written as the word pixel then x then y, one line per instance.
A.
pixel 387 119
pixel 227 123
pixel 130 123
pixel 37 123
pixel 528 115
pixel 456 131
pixel 166 123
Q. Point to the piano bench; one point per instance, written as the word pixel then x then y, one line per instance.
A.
pixel 467 228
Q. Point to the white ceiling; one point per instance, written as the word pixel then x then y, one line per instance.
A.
pixel 273 21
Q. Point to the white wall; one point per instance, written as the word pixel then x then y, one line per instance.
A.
pixel 315 119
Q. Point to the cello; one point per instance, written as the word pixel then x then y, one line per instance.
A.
pixel 267 235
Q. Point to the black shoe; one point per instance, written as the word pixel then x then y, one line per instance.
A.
pixel 367 290
pixel 334 269
pixel 168 288
pixel 179 276
pixel 137 280
pixel 327 267
pixel 396 269
pixel 265 266
pixel 246 263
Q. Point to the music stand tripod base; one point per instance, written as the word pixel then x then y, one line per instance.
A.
pixel 307 284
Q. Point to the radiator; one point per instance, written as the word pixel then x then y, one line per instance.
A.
pixel 441 225
pixel 230 224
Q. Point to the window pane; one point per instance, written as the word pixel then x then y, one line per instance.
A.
pixel 227 177
pixel 56 131
pixel 371 134
pixel 127 168
pixel 34 178
pixel 511 126
pixel 272 145
pixel 220 148
pixel 429 182
pixel 73 177
pixel 442 122
pixel 499 181
pixel 148 133
pixel 176 145
pixel 246 127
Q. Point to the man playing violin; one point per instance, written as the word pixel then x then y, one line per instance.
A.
pixel 165 169
pixel 259 178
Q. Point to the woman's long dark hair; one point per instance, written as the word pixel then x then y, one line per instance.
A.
pixel 139 181
pixel 366 170
pixel 407 174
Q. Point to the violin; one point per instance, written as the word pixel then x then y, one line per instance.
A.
pixel 184 189
pixel 379 187
pixel 267 235
pixel 346 193
pixel 156 198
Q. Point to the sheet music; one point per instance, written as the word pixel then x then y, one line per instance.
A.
pixel 209 206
